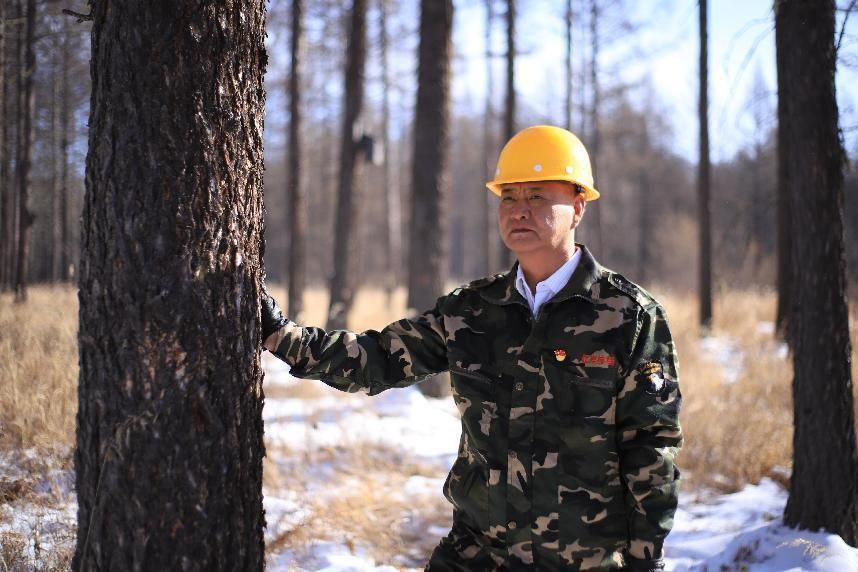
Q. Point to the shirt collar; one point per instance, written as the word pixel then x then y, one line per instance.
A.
pixel 501 289
pixel 553 283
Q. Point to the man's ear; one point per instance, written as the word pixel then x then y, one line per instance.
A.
pixel 580 205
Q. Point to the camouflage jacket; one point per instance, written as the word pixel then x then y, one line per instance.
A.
pixel 569 420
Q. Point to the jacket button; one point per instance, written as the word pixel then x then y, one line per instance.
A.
pixel 519 386
pixel 512 526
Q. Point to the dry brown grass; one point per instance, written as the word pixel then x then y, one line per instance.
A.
pixel 735 433
pixel 739 432
pixel 38 368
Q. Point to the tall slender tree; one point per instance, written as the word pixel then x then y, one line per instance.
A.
pixel 703 178
pixel 4 156
pixel 593 229
pixel 169 434
pixel 488 231
pixel 824 484
pixel 569 65
pixel 392 202
pixel 65 142
pixel 25 155
pixel 428 258
pixel 785 271
pixel 345 255
pixel 509 116
pixel 295 207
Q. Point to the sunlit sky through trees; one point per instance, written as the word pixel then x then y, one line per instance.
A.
pixel 652 47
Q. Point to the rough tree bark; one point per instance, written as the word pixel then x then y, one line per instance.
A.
pixel 345 256
pixel 296 209
pixel 703 179
pixel 169 435
pixel 25 155
pixel 824 484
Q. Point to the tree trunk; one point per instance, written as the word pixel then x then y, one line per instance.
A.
pixel 569 65
pixel 594 228
pixel 65 120
pixel 25 156
pixel 169 436
pixel 5 219
pixel 428 260
pixel 509 119
pixel 785 271
pixel 392 203
pixel 56 244
pixel 487 213
pixel 824 483
pixel 645 206
pixel 345 256
pixel 703 179
pixel 295 207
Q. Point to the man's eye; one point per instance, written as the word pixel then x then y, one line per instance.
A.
pixel 506 199
pixel 536 197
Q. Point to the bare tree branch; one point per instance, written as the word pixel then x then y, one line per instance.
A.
pixel 843 26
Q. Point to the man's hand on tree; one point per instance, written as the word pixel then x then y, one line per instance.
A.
pixel 272 318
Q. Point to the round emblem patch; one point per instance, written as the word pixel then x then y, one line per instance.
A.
pixel 651 377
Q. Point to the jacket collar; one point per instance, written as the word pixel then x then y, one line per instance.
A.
pixel 503 291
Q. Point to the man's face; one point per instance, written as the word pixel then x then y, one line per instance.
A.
pixel 539 216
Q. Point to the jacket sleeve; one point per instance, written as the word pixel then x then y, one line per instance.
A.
pixel 648 434
pixel 403 353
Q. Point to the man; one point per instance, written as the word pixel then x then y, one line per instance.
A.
pixel 565 376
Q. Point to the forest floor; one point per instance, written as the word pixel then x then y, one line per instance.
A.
pixel 354 483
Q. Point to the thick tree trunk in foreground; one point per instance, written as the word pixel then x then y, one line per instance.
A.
pixel 824 483
pixel 295 189
pixel 428 260
pixel 169 439
pixel 345 261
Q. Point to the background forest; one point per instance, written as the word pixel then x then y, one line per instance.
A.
pixel 640 145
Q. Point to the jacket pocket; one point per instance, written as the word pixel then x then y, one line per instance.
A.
pixel 581 398
pixel 467 490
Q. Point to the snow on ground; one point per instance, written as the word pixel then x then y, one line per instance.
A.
pixel 712 532
pixel 728 354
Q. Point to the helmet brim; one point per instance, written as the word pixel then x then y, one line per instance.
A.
pixel 590 194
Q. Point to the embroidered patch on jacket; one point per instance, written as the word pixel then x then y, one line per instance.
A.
pixel 598 360
pixel 651 377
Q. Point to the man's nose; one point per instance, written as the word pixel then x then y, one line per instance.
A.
pixel 520 210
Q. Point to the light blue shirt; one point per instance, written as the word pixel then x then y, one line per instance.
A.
pixel 546 289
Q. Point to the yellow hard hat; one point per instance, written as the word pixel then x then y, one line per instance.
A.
pixel 544 153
